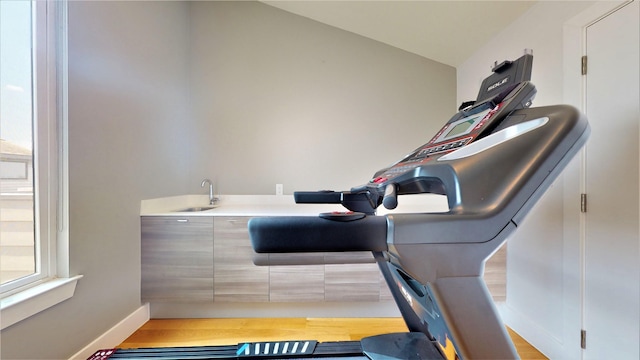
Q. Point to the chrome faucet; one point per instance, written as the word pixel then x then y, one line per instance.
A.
pixel 212 199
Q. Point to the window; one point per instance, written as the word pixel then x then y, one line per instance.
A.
pixel 33 228
pixel 17 216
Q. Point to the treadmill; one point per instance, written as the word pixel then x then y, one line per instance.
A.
pixel 492 160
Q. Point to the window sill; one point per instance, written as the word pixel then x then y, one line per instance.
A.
pixel 29 302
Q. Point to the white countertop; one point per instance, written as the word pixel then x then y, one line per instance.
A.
pixel 275 205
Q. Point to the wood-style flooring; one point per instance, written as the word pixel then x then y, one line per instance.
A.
pixel 203 332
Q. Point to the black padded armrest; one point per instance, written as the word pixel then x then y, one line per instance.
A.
pixel 292 234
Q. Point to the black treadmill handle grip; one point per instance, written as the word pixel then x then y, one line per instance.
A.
pixel 390 198
pixel 292 234
pixel 317 197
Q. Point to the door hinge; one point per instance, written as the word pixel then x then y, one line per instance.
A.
pixel 584 65
pixel 583 203
pixel 583 339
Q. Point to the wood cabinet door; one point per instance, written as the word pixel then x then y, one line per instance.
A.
pixel 237 279
pixel 352 282
pixel 177 259
pixel 297 283
pixel 351 276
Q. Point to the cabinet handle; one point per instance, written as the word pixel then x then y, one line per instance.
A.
pixel 232 221
pixel 182 220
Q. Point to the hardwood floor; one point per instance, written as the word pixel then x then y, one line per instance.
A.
pixel 201 332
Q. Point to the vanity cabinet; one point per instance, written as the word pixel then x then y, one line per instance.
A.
pixel 177 259
pixel 210 259
pixel 236 278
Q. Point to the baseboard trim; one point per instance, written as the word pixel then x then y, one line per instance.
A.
pixel 117 334
pixel 164 310
pixel 533 333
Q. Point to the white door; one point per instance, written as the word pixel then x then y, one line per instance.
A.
pixel 612 232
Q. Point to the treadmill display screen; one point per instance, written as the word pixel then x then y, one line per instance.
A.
pixel 461 127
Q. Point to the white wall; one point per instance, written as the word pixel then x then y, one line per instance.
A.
pixel 542 267
pixel 539 29
pixel 128 138
pixel 280 98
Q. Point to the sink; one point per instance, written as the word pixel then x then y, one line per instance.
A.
pixel 197 209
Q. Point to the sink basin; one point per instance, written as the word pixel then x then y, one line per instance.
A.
pixel 197 208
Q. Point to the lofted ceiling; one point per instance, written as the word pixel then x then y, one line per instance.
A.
pixel 445 31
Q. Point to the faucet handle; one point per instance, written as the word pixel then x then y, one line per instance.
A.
pixel 212 199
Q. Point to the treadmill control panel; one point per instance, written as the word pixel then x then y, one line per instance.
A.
pixel 454 135
pixel 463 128
pixel 506 90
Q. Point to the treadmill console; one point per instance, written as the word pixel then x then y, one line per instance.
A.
pixel 462 129
pixel 506 90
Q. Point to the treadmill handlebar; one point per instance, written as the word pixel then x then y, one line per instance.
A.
pixel 336 232
pixel 318 197
pixel 361 200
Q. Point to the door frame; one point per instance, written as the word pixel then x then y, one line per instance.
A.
pixel 568 344
pixel 574 93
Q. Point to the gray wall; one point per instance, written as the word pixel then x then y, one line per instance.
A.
pixel 279 98
pixel 127 140
pixel 163 94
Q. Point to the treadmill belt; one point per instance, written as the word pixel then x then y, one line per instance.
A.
pixel 289 350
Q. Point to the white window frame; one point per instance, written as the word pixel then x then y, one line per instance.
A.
pixel 51 283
